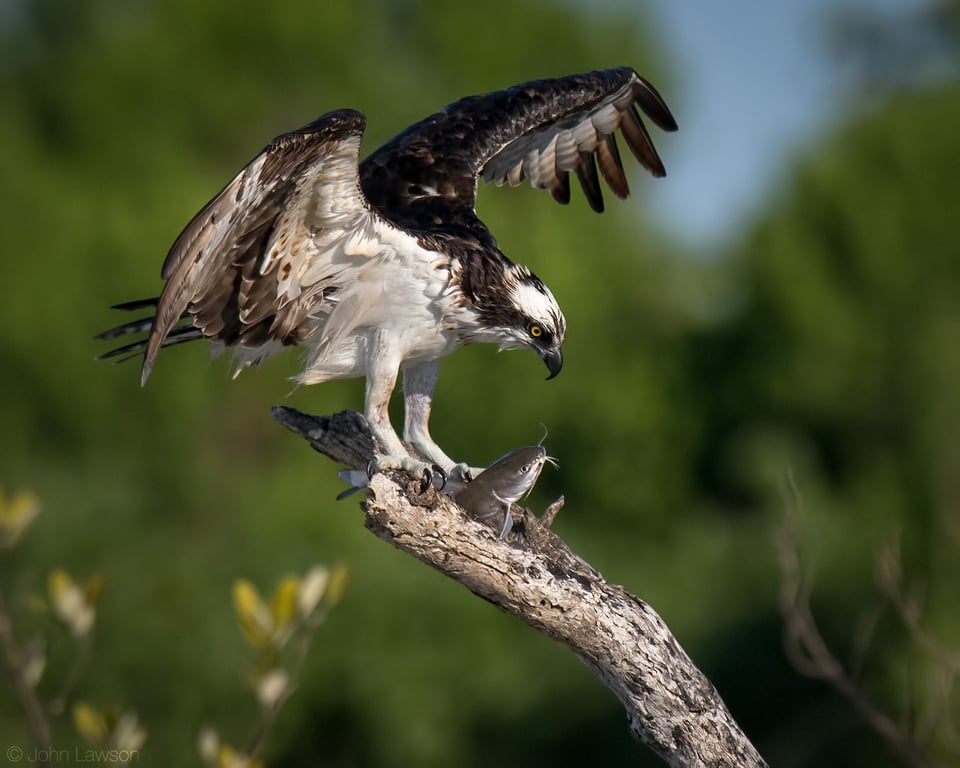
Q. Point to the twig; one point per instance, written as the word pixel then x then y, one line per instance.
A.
pixel 889 577
pixel 934 717
pixel 533 575
pixel 14 659
pixel 810 655
pixel 58 704
pixel 269 714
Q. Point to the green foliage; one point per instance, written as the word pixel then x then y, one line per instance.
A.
pixel 280 631
pixel 116 736
pixel 840 360
pixel 16 516
pixel 850 310
pixel 825 343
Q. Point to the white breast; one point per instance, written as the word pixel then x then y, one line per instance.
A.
pixel 388 285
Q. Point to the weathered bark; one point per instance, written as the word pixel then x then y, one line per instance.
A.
pixel 533 575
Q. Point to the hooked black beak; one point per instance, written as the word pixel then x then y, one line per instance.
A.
pixel 554 361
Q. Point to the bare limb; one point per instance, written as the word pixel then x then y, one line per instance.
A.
pixel 810 655
pixel 533 575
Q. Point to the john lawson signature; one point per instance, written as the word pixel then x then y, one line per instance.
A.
pixel 78 755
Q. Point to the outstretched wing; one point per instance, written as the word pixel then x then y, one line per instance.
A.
pixel 249 266
pixel 541 131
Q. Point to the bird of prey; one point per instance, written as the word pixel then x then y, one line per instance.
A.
pixel 382 267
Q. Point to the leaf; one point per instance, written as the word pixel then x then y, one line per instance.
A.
pixel 256 620
pixel 94 589
pixel 208 745
pixel 272 687
pixel 58 583
pixel 284 603
pixel 33 670
pixel 312 588
pixel 69 604
pixel 337 585
pixel 90 723
pixel 231 758
pixel 127 735
pixel 35 662
pixel 16 516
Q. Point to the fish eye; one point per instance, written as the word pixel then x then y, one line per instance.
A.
pixel 536 331
pixel 524 469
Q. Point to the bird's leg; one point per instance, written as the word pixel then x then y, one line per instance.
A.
pixel 419 382
pixel 382 369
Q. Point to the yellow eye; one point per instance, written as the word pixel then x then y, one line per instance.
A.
pixel 536 331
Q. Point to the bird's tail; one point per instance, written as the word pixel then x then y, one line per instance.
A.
pixel 177 335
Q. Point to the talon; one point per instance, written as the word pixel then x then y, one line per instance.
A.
pixel 428 477
pixel 428 474
pixel 465 473
pixel 434 475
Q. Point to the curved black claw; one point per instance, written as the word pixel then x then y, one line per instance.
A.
pixel 435 476
pixel 372 468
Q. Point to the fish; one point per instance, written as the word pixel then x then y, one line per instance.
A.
pixel 489 496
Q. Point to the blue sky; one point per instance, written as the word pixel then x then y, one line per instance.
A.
pixel 756 82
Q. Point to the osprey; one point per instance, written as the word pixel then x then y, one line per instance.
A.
pixel 382 266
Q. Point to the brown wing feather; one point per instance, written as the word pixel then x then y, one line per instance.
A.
pixel 640 143
pixel 219 269
pixel 611 166
pixel 559 186
pixel 586 169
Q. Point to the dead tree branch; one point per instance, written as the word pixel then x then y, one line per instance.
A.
pixel 533 575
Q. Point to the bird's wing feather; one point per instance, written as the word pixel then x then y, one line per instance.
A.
pixel 541 131
pixel 242 263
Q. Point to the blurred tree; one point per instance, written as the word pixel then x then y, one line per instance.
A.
pixel 891 48
pixel 121 120
pixel 840 359
pixel 825 342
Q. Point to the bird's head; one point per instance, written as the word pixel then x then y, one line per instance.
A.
pixel 531 318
